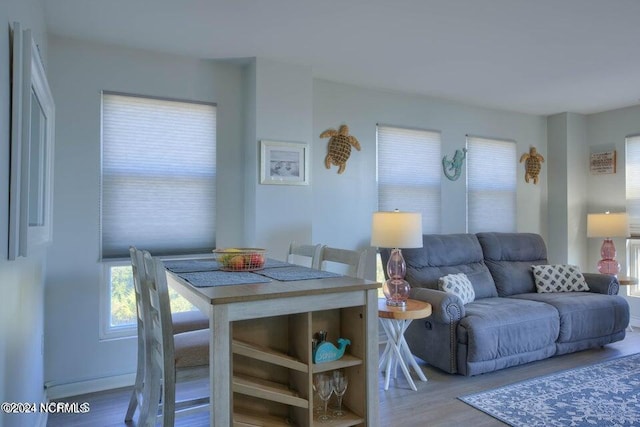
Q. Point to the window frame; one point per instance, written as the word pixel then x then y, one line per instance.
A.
pixel 633 266
pixel 107 331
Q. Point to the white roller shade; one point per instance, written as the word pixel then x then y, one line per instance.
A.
pixel 491 185
pixel 409 173
pixel 632 180
pixel 158 175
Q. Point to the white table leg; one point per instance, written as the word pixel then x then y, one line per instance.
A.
pixel 412 360
pixel 398 351
pixel 387 355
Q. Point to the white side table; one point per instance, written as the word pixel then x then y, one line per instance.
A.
pixel 395 321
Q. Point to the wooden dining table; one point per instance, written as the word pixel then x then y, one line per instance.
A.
pixel 345 305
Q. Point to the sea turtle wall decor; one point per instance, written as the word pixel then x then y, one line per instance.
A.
pixel 453 168
pixel 339 147
pixel 532 164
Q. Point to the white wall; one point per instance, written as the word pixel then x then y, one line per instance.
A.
pixel 577 158
pixel 21 281
pixel 79 71
pixel 283 112
pixel 556 161
pixel 607 192
pixel 566 160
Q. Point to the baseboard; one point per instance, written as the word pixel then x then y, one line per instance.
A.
pixel 61 391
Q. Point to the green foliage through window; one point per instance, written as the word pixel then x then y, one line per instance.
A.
pixel 123 298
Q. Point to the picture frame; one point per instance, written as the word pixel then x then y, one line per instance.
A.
pixel 32 141
pixel 15 245
pixel 603 162
pixel 284 163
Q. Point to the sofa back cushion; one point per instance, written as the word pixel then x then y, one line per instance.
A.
pixel 509 257
pixel 444 254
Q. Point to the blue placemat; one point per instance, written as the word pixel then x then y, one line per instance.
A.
pixel 295 272
pixel 272 263
pixel 191 265
pixel 203 279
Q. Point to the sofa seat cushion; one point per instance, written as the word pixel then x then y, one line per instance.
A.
pixel 584 315
pixel 496 328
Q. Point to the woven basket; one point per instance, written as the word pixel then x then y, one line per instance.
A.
pixel 240 259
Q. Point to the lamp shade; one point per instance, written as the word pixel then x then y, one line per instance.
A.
pixel 608 225
pixel 396 230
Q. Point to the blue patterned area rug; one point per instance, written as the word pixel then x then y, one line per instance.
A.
pixel 605 394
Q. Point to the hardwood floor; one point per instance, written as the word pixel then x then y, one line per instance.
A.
pixel 434 404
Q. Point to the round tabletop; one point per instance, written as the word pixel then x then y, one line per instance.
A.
pixel 626 280
pixel 414 310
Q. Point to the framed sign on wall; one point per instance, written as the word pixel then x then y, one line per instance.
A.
pixel 603 163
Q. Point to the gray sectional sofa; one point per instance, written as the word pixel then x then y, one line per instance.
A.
pixel 509 322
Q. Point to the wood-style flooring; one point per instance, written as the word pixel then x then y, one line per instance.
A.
pixel 434 404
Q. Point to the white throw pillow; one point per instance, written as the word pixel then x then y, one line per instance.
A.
pixel 459 285
pixel 559 278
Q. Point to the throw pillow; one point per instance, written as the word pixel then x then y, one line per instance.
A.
pixel 459 285
pixel 559 278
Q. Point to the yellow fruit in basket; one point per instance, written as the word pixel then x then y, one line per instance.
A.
pixel 225 256
pixel 236 262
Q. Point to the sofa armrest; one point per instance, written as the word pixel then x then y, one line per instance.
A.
pixel 602 283
pixel 445 308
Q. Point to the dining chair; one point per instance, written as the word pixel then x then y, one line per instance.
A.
pixel 307 255
pixel 354 260
pixel 138 400
pixel 168 358
pixel 181 321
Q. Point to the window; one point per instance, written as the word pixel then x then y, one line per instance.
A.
pixel 409 171
pixel 633 261
pixel 632 188
pixel 491 185
pixel 158 167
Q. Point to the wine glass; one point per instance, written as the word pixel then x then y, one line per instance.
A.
pixel 339 383
pixel 324 388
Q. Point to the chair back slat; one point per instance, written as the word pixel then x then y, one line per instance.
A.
pixel 303 254
pixel 354 260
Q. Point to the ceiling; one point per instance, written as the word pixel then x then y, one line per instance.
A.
pixel 532 56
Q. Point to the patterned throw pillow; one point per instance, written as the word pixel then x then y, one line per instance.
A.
pixel 459 285
pixel 559 278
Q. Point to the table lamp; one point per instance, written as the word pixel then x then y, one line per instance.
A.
pixel 608 225
pixel 396 230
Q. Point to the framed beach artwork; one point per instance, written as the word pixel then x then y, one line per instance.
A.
pixel 284 163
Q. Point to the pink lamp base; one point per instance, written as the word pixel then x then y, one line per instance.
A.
pixel 608 264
